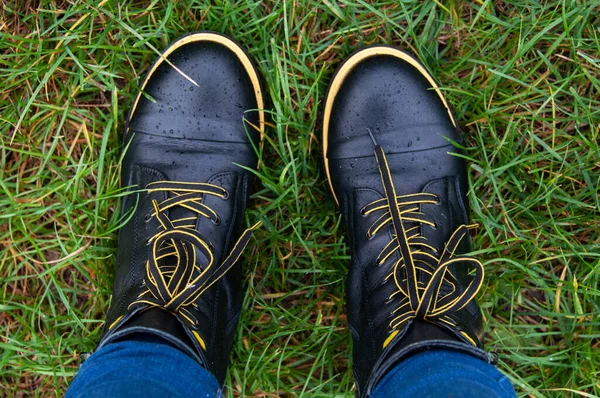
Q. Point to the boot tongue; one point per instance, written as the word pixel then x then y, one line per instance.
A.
pixel 160 323
pixel 419 331
pixel 178 213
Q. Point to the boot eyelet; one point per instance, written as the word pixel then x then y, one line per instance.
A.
pixel 362 212
pixel 438 201
pixel 216 221
pixel 434 226
pixel 369 237
pixel 211 247
pixel 148 218
pixel 226 195
pixel 148 242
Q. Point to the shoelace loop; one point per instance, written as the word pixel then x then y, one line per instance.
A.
pixel 417 299
pixel 175 287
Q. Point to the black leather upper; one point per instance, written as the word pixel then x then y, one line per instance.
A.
pixel 392 99
pixel 188 133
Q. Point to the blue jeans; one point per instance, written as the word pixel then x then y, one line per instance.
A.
pixel 147 367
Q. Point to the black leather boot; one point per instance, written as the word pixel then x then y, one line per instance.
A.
pixel 401 189
pixel 178 272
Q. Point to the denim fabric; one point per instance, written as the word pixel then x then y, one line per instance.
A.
pixel 441 373
pixel 142 367
pixel 148 367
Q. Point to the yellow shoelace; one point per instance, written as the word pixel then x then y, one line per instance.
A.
pixel 176 287
pixel 417 299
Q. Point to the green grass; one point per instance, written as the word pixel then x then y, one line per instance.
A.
pixel 523 77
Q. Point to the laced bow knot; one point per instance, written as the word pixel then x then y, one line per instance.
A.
pixel 175 286
pixel 425 286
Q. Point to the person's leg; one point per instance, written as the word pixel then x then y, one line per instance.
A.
pixel 401 185
pixel 191 137
pixel 144 366
pixel 442 374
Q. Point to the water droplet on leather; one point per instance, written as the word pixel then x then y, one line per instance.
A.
pixel 351 165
